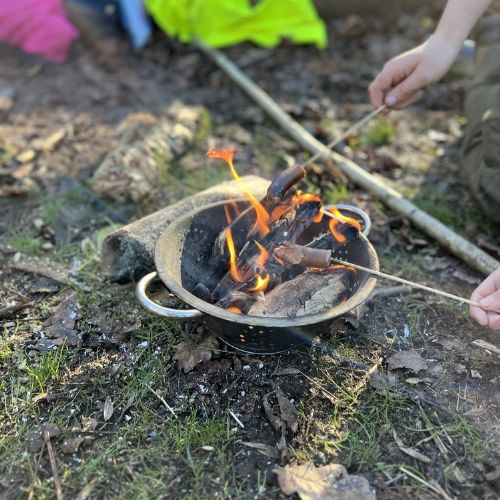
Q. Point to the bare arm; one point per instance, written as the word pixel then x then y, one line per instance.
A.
pixel 400 81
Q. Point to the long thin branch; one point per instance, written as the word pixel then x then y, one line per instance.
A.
pixel 455 243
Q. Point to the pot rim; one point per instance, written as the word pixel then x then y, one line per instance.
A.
pixel 174 286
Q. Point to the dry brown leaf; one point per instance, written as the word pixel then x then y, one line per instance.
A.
pixel 36 439
pixel 410 451
pixel 108 409
pixel 71 445
pixel 329 482
pixel 193 351
pixel 407 359
pixel 287 418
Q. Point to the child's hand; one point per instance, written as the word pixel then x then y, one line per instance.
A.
pixel 488 296
pixel 402 78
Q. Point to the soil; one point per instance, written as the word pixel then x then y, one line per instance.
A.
pixel 66 118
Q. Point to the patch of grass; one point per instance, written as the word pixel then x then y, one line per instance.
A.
pixel 336 194
pixel 44 369
pixel 456 215
pixel 25 241
pixel 396 259
pixel 378 133
pixel 204 128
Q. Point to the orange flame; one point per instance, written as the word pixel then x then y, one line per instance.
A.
pixel 263 256
pixel 234 309
pixel 227 214
pixel 334 223
pixel 262 222
pixel 343 218
pixel 261 284
pixel 336 267
pixel 233 269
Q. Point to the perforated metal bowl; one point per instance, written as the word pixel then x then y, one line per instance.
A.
pixel 182 259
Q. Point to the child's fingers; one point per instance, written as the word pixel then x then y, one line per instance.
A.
pixel 493 321
pixel 480 315
pixel 491 302
pixel 379 86
pixel 405 90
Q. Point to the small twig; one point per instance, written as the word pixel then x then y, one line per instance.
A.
pixel 53 465
pixel 368 374
pixel 406 282
pixel 238 421
pixel 353 128
pixel 167 406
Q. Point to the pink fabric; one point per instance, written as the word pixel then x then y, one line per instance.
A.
pixel 38 26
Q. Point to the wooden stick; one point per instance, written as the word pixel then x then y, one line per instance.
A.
pixel 353 128
pixel 456 244
pixel 405 282
pixel 53 465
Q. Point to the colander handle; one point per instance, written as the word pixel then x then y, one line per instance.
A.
pixel 166 312
pixel 367 222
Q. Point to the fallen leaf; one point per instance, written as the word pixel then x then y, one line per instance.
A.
pixel 50 142
pixel 410 451
pixel 71 445
pixel 264 449
pixel 35 438
pixel 105 329
pixel 407 359
pixel 329 482
pixel 42 267
pixel 287 417
pixel 193 351
pixel 108 409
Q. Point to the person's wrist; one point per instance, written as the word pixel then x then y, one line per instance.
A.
pixel 451 42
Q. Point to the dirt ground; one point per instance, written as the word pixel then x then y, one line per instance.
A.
pixel 78 352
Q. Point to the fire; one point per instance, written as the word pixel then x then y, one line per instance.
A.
pixel 233 268
pixel 262 222
pixel 234 309
pixel 263 256
pixel 309 197
pixel 261 284
pixel 343 218
pixel 334 223
pixel 297 199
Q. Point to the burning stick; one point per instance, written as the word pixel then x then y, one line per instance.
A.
pixel 322 259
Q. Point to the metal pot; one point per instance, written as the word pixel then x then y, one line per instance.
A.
pixel 181 258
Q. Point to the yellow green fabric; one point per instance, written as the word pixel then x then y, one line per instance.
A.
pixel 220 23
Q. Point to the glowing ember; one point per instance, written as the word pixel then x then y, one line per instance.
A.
pixel 234 309
pixel 262 222
pixel 263 256
pixel 233 269
pixel 261 284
